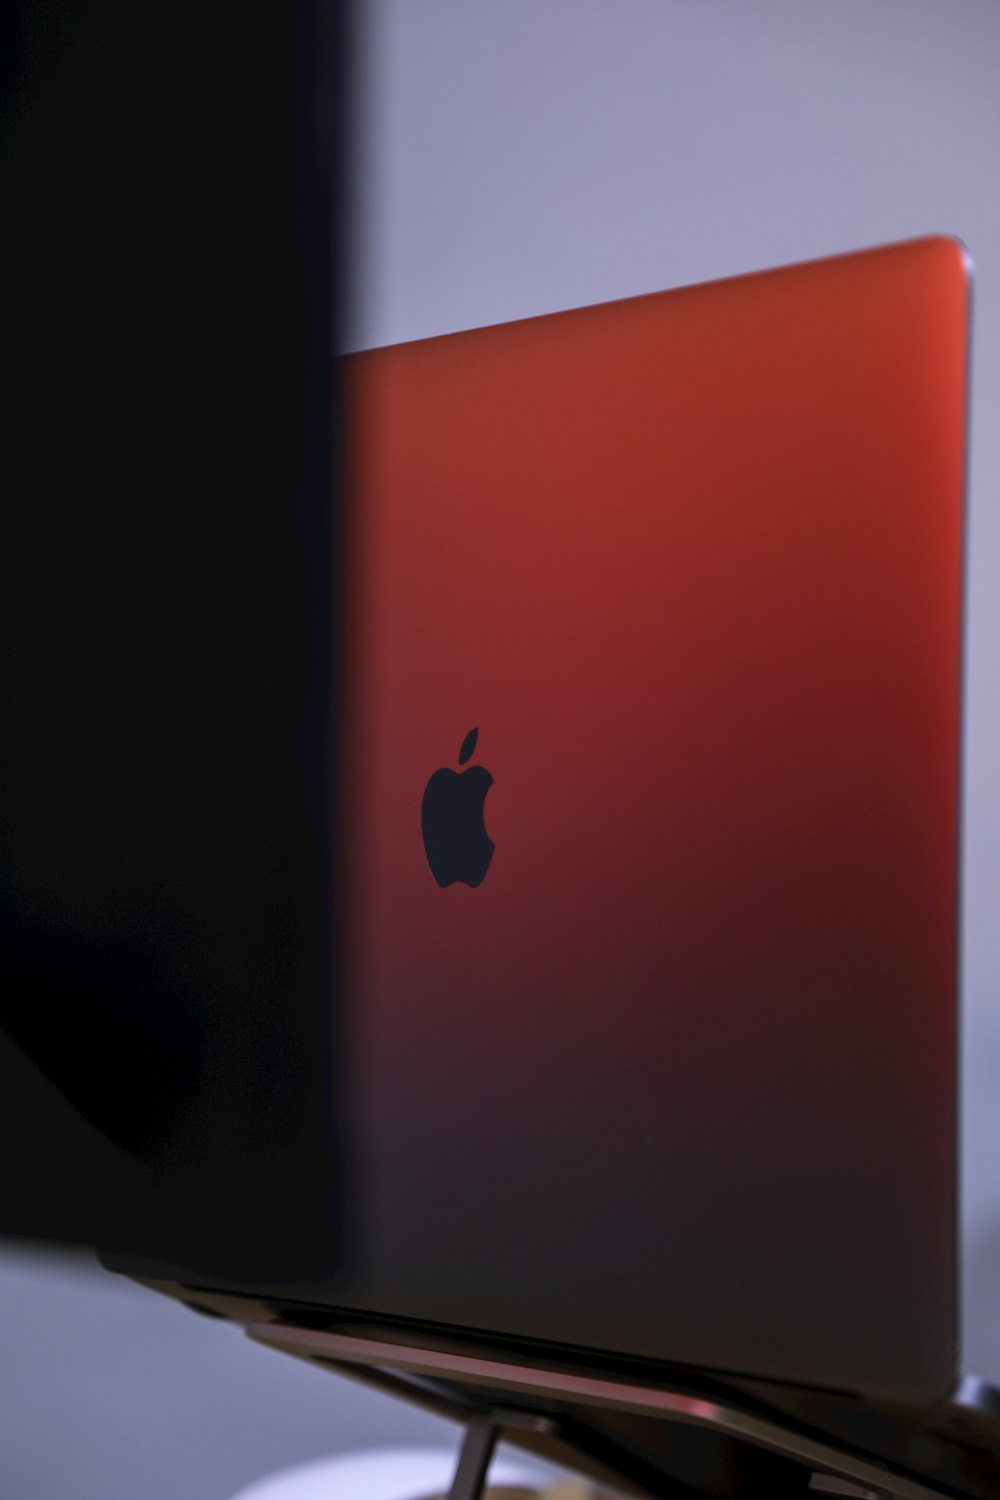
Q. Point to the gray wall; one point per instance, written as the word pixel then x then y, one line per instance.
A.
pixel 519 156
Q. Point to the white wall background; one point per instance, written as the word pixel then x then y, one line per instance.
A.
pixel 516 157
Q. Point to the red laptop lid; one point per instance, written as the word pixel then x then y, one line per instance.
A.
pixel 649 867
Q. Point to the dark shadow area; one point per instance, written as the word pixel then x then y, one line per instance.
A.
pixel 168 591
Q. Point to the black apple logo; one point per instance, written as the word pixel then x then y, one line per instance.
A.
pixel 455 839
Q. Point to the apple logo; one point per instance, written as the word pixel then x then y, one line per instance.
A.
pixel 451 819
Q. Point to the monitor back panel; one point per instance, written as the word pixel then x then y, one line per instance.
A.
pixel 672 1076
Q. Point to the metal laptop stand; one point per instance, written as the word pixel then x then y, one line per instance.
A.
pixel 561 1412
pixel 481 1437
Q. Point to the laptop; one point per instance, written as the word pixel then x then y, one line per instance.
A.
pixel 646 891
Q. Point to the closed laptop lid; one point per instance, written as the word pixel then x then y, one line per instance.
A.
pixel 648 875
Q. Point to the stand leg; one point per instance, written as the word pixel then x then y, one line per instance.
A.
pixel 474 1460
